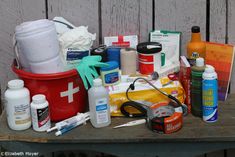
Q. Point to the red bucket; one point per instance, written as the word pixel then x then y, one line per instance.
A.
pixel 64 91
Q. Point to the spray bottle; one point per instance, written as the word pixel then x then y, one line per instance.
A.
pixel 210 94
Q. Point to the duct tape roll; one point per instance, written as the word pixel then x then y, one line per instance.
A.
pixel 165 117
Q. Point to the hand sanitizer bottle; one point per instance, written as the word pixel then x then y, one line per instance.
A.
pixel 99 104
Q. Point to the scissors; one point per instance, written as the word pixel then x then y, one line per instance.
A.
pixel 131 123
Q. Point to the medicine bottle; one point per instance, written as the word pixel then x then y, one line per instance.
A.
pixel 196 47
pixel 99 104
pixel 17 105
pixel 40 113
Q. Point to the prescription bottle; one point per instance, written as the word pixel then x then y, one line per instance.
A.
pixel 40 113
pixel 196 47
pixel 110 74
pixel 17 105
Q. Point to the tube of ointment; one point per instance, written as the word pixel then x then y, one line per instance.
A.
pixel 62 124
pixel 72 126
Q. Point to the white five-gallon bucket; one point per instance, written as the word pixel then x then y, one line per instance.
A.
pixel 38 46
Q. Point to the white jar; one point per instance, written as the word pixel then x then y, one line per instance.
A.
pixel 99 104
pixel 17 105
pixel 40 113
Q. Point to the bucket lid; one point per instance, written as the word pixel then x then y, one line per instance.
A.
pixel 149 47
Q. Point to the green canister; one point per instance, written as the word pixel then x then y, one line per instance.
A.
pixel 196 87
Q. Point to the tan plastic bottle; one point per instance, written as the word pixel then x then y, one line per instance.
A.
pixel 196 47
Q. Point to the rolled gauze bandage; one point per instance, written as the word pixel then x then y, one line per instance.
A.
pixel 128 61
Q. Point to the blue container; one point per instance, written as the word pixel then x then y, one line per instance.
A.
pixel 113 54
pixel 210 95
pixel 110 74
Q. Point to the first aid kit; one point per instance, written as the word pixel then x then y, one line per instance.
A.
pixel 64 91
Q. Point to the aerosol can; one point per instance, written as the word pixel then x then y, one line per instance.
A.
pixel 210 95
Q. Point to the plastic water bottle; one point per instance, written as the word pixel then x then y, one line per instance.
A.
pixel 196 87
pixel 99 104
pixel 210 94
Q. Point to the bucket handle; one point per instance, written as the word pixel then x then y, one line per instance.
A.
pixel 15 49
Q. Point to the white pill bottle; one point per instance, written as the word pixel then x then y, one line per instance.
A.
pixel 40 113
pixel 17 99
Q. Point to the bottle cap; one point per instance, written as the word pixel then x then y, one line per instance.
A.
pixel 15 84
pixel 39 98
pixel 195 29
pixel 209 73
pixel 111 65
pixel 209 69
pixel 97 82
pixel 200 62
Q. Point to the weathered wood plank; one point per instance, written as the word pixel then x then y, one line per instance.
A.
pixel 12 13
pixel 121 17
pixel 218 21
pixel 78 12
pixel 181 16
pixel 219 153
pixel 230 152
pixel 231 36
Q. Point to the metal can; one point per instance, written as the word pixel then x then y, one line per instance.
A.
pixel 210 95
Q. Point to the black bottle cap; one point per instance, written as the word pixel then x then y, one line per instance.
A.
pixel 195 29
pixel 149 47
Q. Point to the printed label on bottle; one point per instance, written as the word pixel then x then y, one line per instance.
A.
pixel 43 116
pixel 22 114
pixel 101 111
pixel 195 55
pixel 111 77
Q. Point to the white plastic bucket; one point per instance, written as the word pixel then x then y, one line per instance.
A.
pixel 37 44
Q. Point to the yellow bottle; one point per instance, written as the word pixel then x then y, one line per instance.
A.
pixel 196 47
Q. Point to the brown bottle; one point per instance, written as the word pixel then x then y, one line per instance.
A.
pixel 196 47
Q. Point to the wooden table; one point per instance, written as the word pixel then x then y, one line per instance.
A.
pixel 196 137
